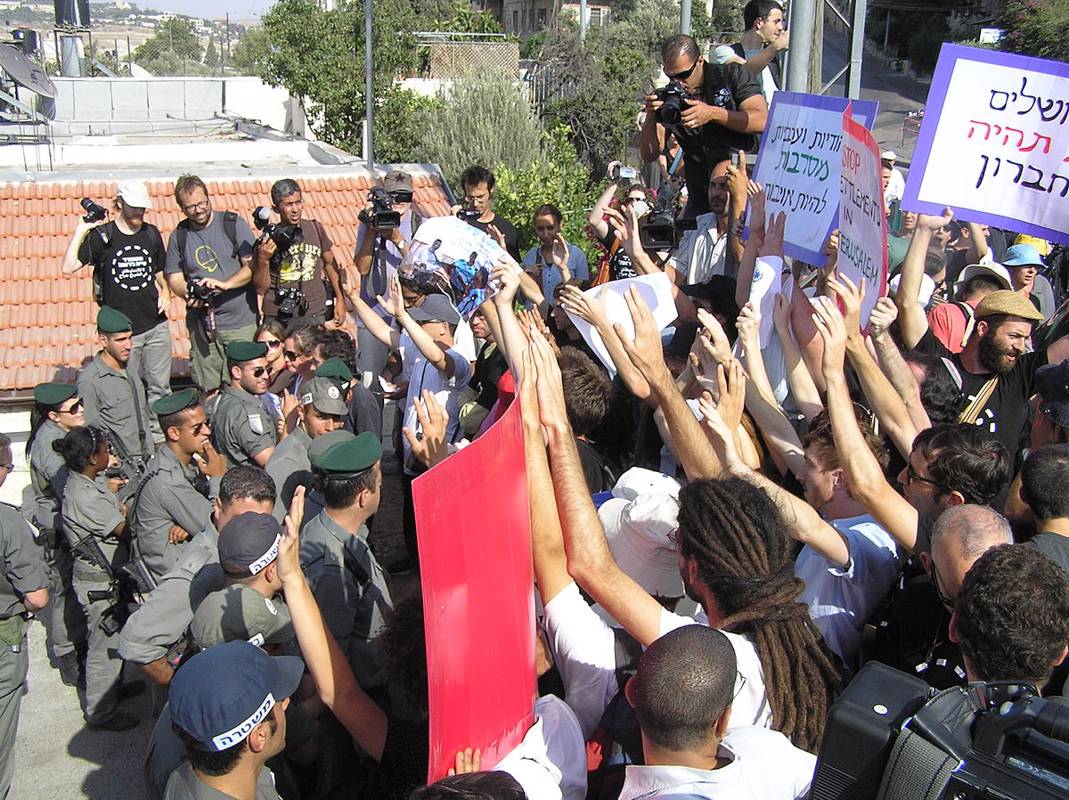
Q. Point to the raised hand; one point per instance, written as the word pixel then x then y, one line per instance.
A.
pixel 933 223
pixel 883 315
pixel 561 252
pixel 289 546
pixel 429 444
pixel 586 308
pixel 645 350
pixel 852 296
pixel 781 313
pixel 749 327
pixel 832 329
pixel 466 761
pixel 721 347
pixel 772 244
pixel 552 410
pixel 394 302
pixel 731 380
pixel 506 273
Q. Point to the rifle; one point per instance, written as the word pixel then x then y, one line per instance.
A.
pixel 120 590
pixel 129 469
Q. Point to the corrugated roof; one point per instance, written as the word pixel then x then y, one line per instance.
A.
pixel 47 319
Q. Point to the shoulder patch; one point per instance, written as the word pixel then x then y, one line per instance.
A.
pixel 257 424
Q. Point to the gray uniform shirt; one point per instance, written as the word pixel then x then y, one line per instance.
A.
pixel 170 496
pixel 160 621
pixel 184 785
pixel 289 468
pixel 91 512
pixel 24 567
pixel 241 427
pixel 45 465
pixel 113 401
pixel 351 591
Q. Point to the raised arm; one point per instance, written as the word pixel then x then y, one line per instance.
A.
pixel 804 391
pixel 511 339
pixel 596 217
pixel 395 306
pixel 375 324
pixel 893 364
pixel 912 320
pixel 748 258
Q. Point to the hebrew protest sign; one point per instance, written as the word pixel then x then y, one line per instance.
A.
pixel 862 222
pixel 994 144
pixel 799 166
pixel 474 532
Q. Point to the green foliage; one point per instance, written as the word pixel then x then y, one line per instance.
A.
pixel 176 37
pixel 531 47
pixel 925 42
pixel 211 55
pixel 553 177
pixel 465 19
pixel 1036 28
pixel 247 56
pixel 484 119
pixel 727 15
pixel 399 116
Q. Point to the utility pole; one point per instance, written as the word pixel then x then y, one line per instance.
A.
pixel 584 20
pixel 226 58
pixel 803 15
pixel 369 152
pixel 684 16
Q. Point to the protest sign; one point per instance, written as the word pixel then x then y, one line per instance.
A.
pixel 994 144
pixel 799 165
pixel 862 222
pixel 474 532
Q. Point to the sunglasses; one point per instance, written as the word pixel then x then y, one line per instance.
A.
pixel 682 76
pixel 259 372
pixel 401 197
pixel 74 409
pixel 291 355
pixel 272 344
pixel 196 429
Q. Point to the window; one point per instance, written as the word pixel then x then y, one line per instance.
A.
pixel 594 16
pixel 515 19
pixel 541 19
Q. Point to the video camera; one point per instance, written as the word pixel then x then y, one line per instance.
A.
pixel 660 229
pixel 670 114
pixel 890 736
pixel 381 217
pixel 93 211
pixel 622 173
pixel 469 215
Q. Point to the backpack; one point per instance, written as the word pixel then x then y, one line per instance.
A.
pixel 230 228
pixel 617 740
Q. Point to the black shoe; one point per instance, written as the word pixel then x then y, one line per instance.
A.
pixel 129 690
pixel 69 668
pixel 406 566
pixel 119 721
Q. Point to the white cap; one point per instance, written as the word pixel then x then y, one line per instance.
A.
pixel 134 194
pixel 638 481
pixel 639 533
pixel 926 291
pixel 996 271
pixel 888 155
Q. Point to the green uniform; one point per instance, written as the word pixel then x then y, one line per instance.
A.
pixel 241 427
pixel 351 591
pixel 90 514
pixel 115 401
pixel 173 494
pixel 184 785
pixel 289 468
pixel 24 571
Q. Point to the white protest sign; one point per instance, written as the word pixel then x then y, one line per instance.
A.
pixel 656 291
pixel 767 283
pixel 994 143
pixel 798 164
pixel 862 222
pixel 454 240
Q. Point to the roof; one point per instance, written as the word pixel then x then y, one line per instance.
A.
pixel 47 323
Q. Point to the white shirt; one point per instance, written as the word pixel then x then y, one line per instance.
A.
pixel 551 275
pixel 550 762
pixel 841 599
pixel 896 186
pixel 702 252
pixel 723 54
pixel 764 766
pixel 421 375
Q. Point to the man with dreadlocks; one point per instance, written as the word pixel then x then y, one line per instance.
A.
pixel 734 557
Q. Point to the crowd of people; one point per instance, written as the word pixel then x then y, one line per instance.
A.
pixel 729 517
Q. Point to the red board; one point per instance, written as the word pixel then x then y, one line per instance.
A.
pixel 474 532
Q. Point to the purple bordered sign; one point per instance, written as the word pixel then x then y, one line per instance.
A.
pixel 994 144
pixel 800 165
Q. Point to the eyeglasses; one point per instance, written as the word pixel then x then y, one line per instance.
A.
pixel 74 409
pixel 291 355
pixel 949 603
pixel 272 344
pixel 911 475
pixel 201 206
pixel 682 76
pixel 259 372
pixel 196 429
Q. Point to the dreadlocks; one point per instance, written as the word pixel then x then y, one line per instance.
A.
pixel 734 532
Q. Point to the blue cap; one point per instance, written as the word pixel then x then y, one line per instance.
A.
pixel 222 693
pixel 1022 255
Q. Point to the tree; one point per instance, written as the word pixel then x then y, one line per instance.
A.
pixel 1036 28
pixel 175 36
pixel 248 54
pixel 399 116
pixel 466 19
pixel 211 57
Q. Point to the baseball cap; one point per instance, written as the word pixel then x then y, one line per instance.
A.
pixel 397 181
pixel 1052 385
pixel 638 481
pixel 325 395
pixel 249 543
pixel 240 613
pixel 222 693
pixel 888 155
pixel 436 308
pixel 1042 245
pixel 639 533
pixel 134 194
pixel 924 294
pixel 1012 304
pixel 1022 255
pixel 994 271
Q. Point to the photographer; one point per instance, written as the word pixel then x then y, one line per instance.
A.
pixel 712 109
pixel 209 265
pixel 293 280
pixel 127 257
pixel 478 183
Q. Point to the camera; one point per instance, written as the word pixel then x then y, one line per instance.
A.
pixel 660 229
pixel 93 212
pixel 670 114
pixel 284 236
pixel 291 302
pixel 381 216
pixel 620 173
pixel 469 215
pixel 198 290
pixel 888 735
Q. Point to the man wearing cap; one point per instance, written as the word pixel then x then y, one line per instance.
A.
pixel 244 433
pixel 228 707
pixel 896 185
pixel 377 257
pixel 1024 263
pixel 345 576
pixel 952 323
pixel 175 501
pixel 307 267
pixel 365 410
pixel 321 409
pixel 154 635
pixel 127 257
pixel 113 395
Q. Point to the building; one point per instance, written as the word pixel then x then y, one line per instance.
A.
pixel 527 17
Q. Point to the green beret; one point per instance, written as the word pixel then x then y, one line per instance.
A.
pixel 245 351
pixel 322 443
pixel 334 368
pixel 350 458
pixel 111 321
pixel 52 394
pixel 176 401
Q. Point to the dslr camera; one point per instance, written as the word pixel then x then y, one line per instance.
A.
pixel 381 217
pixel 670 114
pixel 291 302
pixel 469 215
pixel 93 211
pixel 284 236
pixel 660 229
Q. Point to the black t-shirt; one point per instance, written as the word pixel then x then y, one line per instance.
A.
pixel 127 265
pixel 489 367
pixel 1005 414
pixel 620 265
pixel 1054 546
pixel 596 473
pixel 725 86
pixel 508 230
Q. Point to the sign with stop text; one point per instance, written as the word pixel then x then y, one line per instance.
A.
pixel 862 221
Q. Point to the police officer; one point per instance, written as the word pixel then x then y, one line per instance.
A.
pixel 321 409
pixel 23 590
pixel 173 504
pixel 94 522
pixel 244 432
pixel 365 410
pixel 57 409
pixel 346 579
pixel 153 637
pixel 114 397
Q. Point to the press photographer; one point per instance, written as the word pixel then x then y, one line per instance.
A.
pixel 478 209
pixel 712 110
pixel 295 270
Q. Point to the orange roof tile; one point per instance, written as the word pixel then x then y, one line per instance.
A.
pixel 47 318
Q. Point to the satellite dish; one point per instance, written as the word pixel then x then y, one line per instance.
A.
pixel 25 72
